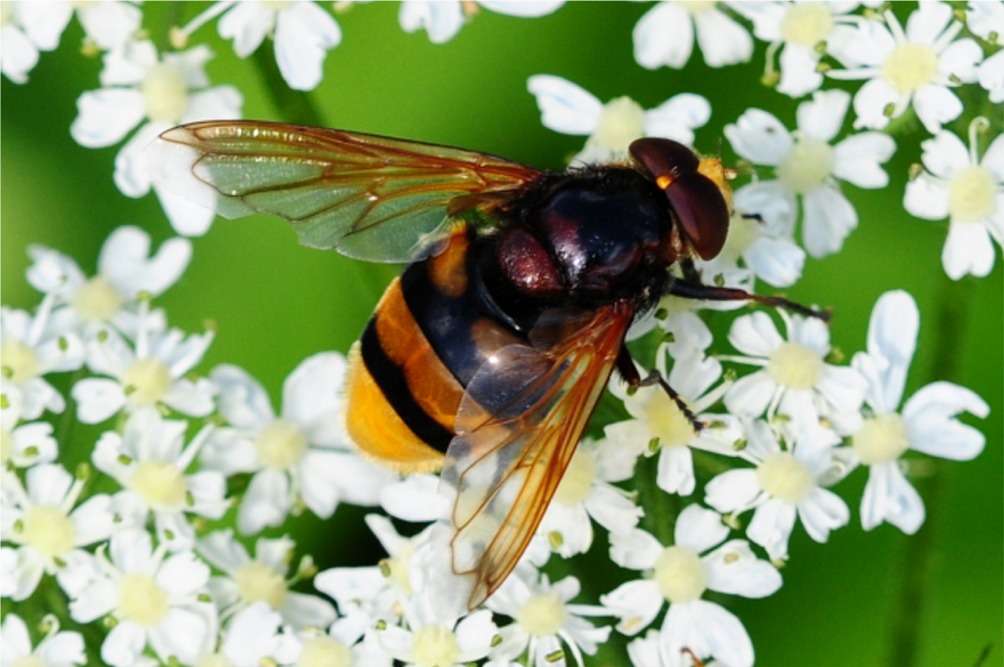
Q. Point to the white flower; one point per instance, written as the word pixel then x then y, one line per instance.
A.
pixel 665 35
pixel 139 86
pixel 126 271
pixel 785 483
pixel 376 592
pixel 24 445
pixel 150 373
pixel 659 425
pixel 808 167
pixel 151 462
pixel 769 253
pixel 156 601
pixel 56 649
pixel 798 29
pixel 986 19
pixel 432 640
pixel 46 529
pixel 544 621
pixel 968 191
pixel 301 454
pixel 349 641
pixel 442 19
pixel 253 637
pixel 25 29
pixel 30 348
pixel 918 66
pixel 679 575
pixel 302 33
pixel 246 580
pixel 611 127
pixel 795 380
pixel 991 76
pixel 927 422
pixel 586 491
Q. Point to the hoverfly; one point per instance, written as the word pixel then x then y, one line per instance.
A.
pixel 486 357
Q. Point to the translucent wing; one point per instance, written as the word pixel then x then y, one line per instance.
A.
pixel 517 428
pixel 371 197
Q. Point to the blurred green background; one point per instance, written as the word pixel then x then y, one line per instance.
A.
pixel 274 302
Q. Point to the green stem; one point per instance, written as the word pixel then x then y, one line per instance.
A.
pixel 293 106
pixel 661 508
pixel 953 306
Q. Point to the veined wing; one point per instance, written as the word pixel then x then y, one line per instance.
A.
pixel 370 197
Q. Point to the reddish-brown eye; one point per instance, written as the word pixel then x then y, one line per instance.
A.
pixel 663 157
pixel 701 211
pixel 699 205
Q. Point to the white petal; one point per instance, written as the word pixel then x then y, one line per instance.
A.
pixel 44 23
pixel 926 198
pixel 822 512
pixel 301 610
pixel 266 502
pixel 663 36
pixel 131 175
pixel 871 101
pixel 723 40
pixel 186 217
pixel 126 261
pixel 771 527
pixel 677 117
pixel 522 8
pixel 960 59
pixel 773 202
pixel 106 116
pixel 311 391
pixel 442 20
pixel 858 159
pixel 931 424
pixel 778 262
pixel 889 497
pixel 182 574
pixel 110 24
pixel 935 106
pixel 97 399
pixel 18 55
pixel 991 76
pixel 564 106
pixel 750 395
pixel 48 484
pixel 676 471
pixel 247 24
pixel 799 75
pixel 304 33
pixel 709 631
pixel 14 638
pixel 759 137
pixel 243 401
pixel 734 569
pixel 123 644
pixel 968 251
pixel 415 498
pixel 734 490
pixel 829 218
pixel 892 340
pixel 699 529
pixel 636 603
pixel 634 549
pixel 822 117
pixel 184 633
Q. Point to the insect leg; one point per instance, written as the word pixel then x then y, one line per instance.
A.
pixel 696 290
pixel 628 371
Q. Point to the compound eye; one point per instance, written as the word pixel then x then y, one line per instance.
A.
pixel 663 159
pixel 701 211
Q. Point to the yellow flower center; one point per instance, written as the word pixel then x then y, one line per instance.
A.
pixel 881 439
pixel 257 581
pixel 141 600
pixel 281 445
pixel 434 646
pixel 795 366
pixel 97 300
pixel 29 660
pixel 807 24
pixel 48 530
pixel 910 66
pixel 147 381
pixel 542 615
pixel 971 194
pixel 160 484
pixel 18 361
pixel 165 93
pixel 666 421
pixel 324 651
pixel 784 477
pixel 697 6
pixel 680 575
pixel 578 480
pixel 806 166
pixel 622 121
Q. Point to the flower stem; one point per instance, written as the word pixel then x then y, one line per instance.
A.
pixel 661 508
pixel 294 106
pixel 954 298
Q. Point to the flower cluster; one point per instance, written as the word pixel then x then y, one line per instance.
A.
pixel 169 543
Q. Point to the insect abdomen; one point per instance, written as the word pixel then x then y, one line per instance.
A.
pixel 409 370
